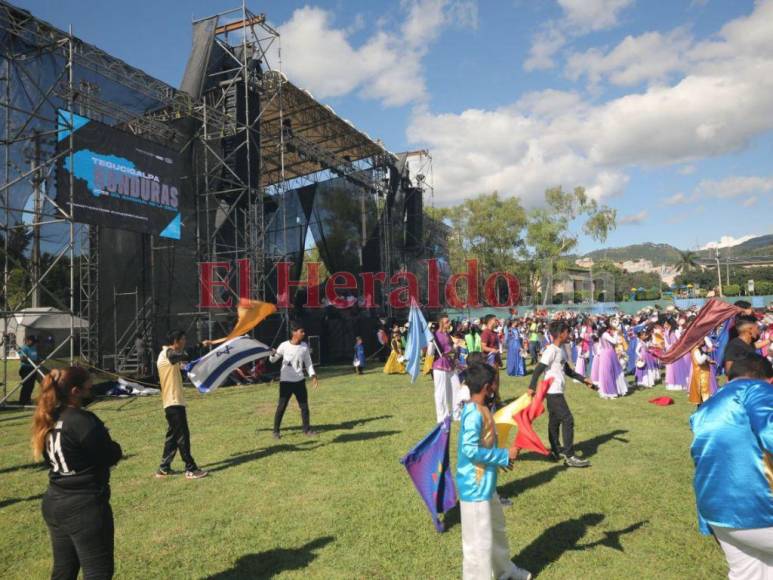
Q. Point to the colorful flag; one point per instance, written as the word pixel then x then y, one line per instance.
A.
pixel 504 419
pixel 526 437
pixel 211 370
pixel 721 345
pixel 428 465
pixel 251 313
pixel 419 336
pixel 713 313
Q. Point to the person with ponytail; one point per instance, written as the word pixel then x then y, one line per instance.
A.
pixel 79 451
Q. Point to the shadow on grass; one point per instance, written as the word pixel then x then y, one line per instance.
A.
pixel 367 436
pixel 343 426
pixel 590 447
pixel 272 562
pixel 587 448
pixel 12 500
pixel 241 458
pixel 565 537
pixel 518 486
pixel 36 466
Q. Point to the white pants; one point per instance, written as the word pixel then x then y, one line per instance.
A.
pixel 749 553
pixel 484 541
pixel 444 393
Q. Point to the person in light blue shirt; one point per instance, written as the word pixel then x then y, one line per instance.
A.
pixel 486 552
pixel 732 445
pixel 28 358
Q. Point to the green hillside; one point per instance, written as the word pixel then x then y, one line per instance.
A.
pixel 655 253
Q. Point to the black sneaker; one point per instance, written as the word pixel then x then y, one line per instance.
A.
pixel 575 461
pixel 554 456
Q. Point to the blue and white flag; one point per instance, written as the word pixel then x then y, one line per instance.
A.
pixel 211 370
pixel 419 336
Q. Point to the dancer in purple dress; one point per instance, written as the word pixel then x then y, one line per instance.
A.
pixel 609 373
pixel 647 373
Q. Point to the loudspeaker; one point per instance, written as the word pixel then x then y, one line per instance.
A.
pixel 414 219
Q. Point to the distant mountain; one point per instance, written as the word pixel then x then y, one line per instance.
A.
pixel 658 254
pixel 758 247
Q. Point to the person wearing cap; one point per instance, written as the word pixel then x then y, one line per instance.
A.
pixel 743 344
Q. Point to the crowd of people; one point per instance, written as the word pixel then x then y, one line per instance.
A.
pixel 612 354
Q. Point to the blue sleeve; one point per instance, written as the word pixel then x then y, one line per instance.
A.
pixel 759 406
pixel 472 425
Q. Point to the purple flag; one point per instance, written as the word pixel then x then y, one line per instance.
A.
pixel 428 465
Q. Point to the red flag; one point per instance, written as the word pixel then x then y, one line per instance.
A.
pixel 662 401
pixel 713 313
pixel 527 438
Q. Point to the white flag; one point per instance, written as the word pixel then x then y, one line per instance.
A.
pixel 211 370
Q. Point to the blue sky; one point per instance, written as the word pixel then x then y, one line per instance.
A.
pixel 662 109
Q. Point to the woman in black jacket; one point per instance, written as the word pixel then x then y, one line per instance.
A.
pixel 80 452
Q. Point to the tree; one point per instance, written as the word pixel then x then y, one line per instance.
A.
pixel 549 232
pixel 688 261
pixel 486 228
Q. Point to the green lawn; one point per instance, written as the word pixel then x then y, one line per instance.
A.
pixel 342 506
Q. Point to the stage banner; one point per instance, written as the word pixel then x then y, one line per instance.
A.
pixel 120 180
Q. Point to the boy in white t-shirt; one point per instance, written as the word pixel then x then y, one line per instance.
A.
pixel 295 357
pixel 553 364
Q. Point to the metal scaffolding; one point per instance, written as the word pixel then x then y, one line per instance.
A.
pixel 249 134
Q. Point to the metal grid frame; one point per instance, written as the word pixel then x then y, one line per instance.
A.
pixel 301 141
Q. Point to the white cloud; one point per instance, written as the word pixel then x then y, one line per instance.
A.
pixel 553 137
pixel 593 14
pixel 735 186
pixel 679 199
pixel 750 201
pixel 728 242
pixel 634 219
pixel 646 58
pixel 386 67
pixel 578 18
pixel 688 169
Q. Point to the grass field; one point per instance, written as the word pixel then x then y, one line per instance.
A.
pixel 341 505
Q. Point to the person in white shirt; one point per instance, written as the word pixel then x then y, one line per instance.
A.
pixel 295 357
pixel 553 364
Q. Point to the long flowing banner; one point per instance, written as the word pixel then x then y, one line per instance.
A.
pixel 119 180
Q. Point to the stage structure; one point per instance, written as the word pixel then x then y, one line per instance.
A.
pixel 207 173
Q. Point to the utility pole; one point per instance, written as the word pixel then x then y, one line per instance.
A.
pixel 719 271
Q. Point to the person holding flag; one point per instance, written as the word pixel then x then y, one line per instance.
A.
pixel 443 368
pixel 295 357
pixel 560 418
pixel 178 435
pixel 485 549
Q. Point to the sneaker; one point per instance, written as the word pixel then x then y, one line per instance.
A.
pixel 517 574
pixel 196 474
pixel 310 433
pixel 505 501
pixel 165 472
pixel 276 435
pixel 521 574
pixel 554 456
pixel 575 461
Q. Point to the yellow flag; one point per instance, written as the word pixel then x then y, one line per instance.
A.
pixel 503 419
pixel 251 313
